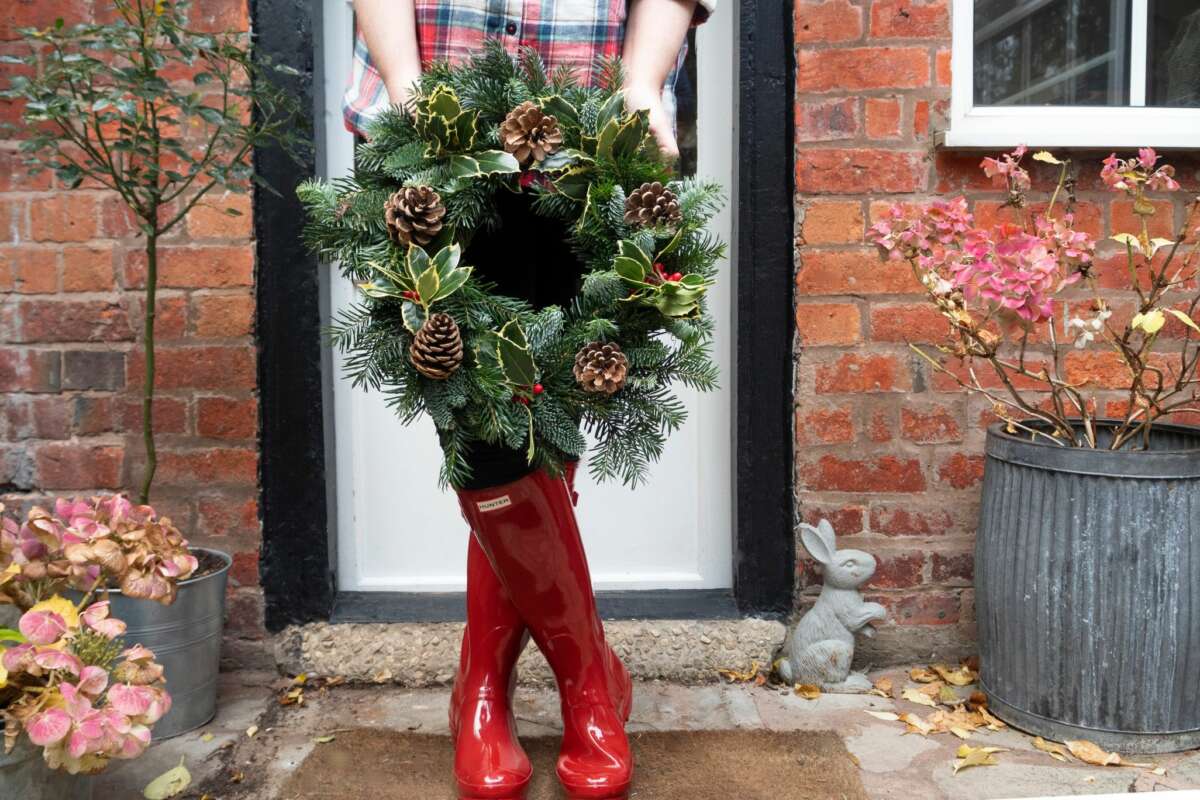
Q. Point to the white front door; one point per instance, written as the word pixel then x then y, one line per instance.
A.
pixel 398 531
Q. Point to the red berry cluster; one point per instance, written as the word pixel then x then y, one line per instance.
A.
pixel 661 276
pixel 537 389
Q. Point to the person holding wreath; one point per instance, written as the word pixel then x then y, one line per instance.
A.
pixel 527 573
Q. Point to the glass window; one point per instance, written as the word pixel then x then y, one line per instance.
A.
pixel 1086 53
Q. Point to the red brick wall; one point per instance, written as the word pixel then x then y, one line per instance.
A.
pixel 71 279
pixel 888 451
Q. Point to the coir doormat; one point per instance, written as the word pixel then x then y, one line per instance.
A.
pixel 683 765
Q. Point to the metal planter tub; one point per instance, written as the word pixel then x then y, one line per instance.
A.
pixel 1087 580
pixel 186 639
pixel 24 775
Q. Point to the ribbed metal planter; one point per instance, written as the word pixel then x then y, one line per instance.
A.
pixel 24 775
pixel 1087 581
pixel 186 639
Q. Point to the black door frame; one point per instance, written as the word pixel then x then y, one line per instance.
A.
pixel 296 505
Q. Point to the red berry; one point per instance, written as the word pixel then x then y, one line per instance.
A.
pixel 659 268
pixel 676 276
pixel 524 401
pixel 538 388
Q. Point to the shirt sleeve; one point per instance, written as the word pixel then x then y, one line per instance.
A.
pixel 704 9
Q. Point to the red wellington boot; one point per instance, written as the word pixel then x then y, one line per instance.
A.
pixel 528 530
pixel 489 763
pixel 621 684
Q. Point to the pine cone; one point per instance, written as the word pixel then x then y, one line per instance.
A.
pixel 529 134
pixel 437 349
pixel 652 204
pixel 414 214
pixel 601 367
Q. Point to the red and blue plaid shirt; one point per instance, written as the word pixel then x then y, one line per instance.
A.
pixel 571 32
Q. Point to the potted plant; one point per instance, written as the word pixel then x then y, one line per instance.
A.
pixel 1087 563
pixel 71 683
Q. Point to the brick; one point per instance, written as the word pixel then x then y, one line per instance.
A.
pixel 827 120
pixel 93 369
pixel 208 467
pixel 833 222
pixel 36 417
pixel 931 424
pixel 846 520
pixel 882 425
pixel 94 414
pixel 30 370
pixel 244 614
pixel 883 117
pixel 1160 224
pixel 197 368
pixel 219 16
pixel 170 317
pixel 828 323
pixel 117 220
pixel 833 21
pixel 72 321
pixel 206 267
pixel 210 220
pixel 63 217
pixel 898 571
pixel 170 414
pixel 962 471
pixel 854 373
pixel 922 608
pixel 39 14
pixel 873 475
pixel 244 571
pixel 76 466
pixel 858 272
pixel 921 118
pixel 223 316
pixel 227 418
pixel 860 68
pixel 954 568
pixel 922 324
pixel 15 172
pixel 222 516
pixel 854 171
pixel 941 67
pixel 1103 369
pixel 893 520
pixel 958 172
pixel 88 269
pixel 31 270
pixel 903 19
pixel 816 426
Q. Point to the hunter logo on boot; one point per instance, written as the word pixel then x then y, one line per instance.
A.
pixel 494 505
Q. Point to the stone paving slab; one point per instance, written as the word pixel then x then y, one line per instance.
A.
pixel 895 765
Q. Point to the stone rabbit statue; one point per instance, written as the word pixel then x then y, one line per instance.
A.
pixel 820 648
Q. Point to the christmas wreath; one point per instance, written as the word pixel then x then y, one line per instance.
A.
pixel 440 340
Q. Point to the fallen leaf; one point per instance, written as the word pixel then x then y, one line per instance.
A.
pixel 961 733
pixel 977 701
pixel 237 776
pixel 975 757
pixel 808 691
pixel 884 685
pixel 946 721
pixel 887 716
pixel 333 680
pixel 916 696
pixel 922 675
pixel 208 737
pixel 971 663
pixel 916 724
pixel 1055 750
pixel 956 677
pixel 169 784
pixel 993 724
pixel 251 731
pixel 1160 771
pixel 324 739
pixel 740 676
pixel 931 690
pixel 300 679
pixel 948 696
pixel 1091 753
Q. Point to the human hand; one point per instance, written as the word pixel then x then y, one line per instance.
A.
pixel 641 97
pixel 400 89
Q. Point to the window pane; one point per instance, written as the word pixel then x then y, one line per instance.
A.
pixel 685 116
pixel 1173 74
pixel 1052 52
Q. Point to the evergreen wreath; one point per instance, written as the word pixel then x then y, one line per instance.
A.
pixel 439 340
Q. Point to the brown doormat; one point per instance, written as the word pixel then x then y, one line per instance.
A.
pixel 684 765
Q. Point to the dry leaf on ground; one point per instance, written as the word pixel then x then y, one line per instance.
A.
pixel 324 739
pixel 977 701
pixel 808 691
pixel 169 784
pixel 922 675
pixel 948 696
pixel 739 676
pixel 882 688
pixel 1054 749
pixel 916 724
pixel 956 677
pixel 993 724
pixel 975 757
pixel 971 663
pixel 943 721
pixel 914 695
pixel 251 731
pixel 886 716
pixel 1092 753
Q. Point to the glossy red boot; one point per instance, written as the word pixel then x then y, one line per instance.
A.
pixel 621 684
pixel 528 530
pixel 489 763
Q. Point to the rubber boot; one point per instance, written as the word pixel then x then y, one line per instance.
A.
pixel 528 531
pixel 489 763
pixel 621 683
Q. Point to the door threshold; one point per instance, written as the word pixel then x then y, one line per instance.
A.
pixel 681 604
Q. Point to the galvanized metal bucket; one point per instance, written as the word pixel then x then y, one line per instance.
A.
pixel 1087 582
pixel 24 775
pixel 186 639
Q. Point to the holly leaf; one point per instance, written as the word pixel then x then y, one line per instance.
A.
pixel 414 316
pixel 560 108
pixel 611 110
pixel 416 260
pixel 446 260
pixel 452 283
pixel 428 284
pixel 516 361
pixel 574 182
pixel 630 269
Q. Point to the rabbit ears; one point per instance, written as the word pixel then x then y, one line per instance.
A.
pixel 820 541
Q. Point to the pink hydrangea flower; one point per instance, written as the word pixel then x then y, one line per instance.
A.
pixel 1007 170
pixel 42 627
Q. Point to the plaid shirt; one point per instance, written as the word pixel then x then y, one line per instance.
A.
pixel 571 32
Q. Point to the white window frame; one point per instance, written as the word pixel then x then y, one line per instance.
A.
pixel 1135 125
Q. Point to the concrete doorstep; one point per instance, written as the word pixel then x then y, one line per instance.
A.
pixel 249 751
